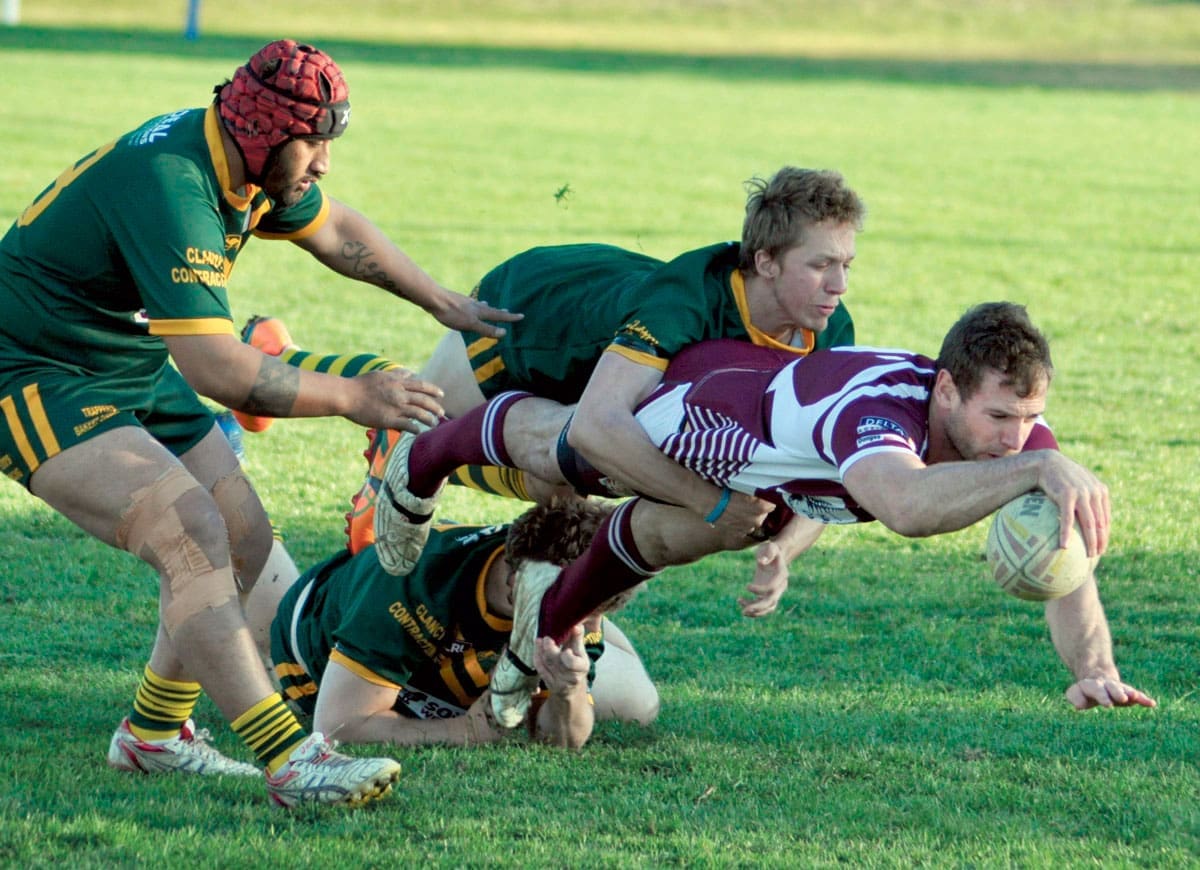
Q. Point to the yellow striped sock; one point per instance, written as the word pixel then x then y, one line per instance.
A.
pixel 345 364
pixel 271 731
pixel 492 479
pixel 161 706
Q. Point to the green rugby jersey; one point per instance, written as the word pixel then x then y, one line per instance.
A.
pixel 428 632
pixel 581 300
pixel 135 241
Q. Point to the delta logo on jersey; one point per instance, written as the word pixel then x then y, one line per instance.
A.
pixel 881 430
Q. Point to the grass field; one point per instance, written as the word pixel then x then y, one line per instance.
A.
pixel 898 710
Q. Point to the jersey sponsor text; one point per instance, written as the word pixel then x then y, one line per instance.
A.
pixel 400 613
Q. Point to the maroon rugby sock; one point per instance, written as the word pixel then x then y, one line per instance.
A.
pixel 609 566
pixel 475 438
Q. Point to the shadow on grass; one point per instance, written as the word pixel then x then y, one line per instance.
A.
pixel 979 73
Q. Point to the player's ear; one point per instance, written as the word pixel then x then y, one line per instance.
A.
pixel 765 264
pixel 945 392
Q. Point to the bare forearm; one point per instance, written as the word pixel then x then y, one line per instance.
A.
pixel 279 390
pixel 1080 633
pixel 929 500
pixel 240 377
pixel 390 727
pixel 606 432
pixel 620 448
pixel 798 535
pixel 363 252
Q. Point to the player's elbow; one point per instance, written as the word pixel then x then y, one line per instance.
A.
pixel 909 523
pixel 903 514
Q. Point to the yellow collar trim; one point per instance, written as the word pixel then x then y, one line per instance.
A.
pixel 216 149
pixel 757 336
pixel 495 621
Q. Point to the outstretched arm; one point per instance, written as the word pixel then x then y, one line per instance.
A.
pixel 918 500
pixel 241 377
pixel 352 245
pixel 1080 634
pixel 354 710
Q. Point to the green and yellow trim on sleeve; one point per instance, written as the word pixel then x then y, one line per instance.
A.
pixel 304 232
pixel 192 326
pixel 358 670
pixel 637 356
pixel 757 336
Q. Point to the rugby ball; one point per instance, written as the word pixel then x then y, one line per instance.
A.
pixel 1023 553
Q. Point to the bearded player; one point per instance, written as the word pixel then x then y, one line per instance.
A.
pixel 113 283
pixel 843 436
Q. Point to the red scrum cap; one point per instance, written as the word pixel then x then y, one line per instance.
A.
pixel 287 90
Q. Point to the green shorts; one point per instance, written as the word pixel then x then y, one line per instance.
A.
pixel 46 408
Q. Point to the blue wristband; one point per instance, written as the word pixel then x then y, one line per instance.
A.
pixel 722 503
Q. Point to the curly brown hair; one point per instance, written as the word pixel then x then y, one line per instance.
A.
pixel 556 532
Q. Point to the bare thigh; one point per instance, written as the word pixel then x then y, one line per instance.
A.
pixel 450 369
pixel 93 483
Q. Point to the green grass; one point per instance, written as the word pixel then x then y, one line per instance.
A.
pixel 898 710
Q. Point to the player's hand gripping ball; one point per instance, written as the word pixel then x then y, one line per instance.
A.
pixel 1023 552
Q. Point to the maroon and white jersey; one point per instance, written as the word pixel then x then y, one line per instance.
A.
pixel 786 429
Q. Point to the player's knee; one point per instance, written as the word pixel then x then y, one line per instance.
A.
pixel 250 535
pixel 173 525
pixel 636 701
pixel 584 477
pixel 642 706
pixel 172 507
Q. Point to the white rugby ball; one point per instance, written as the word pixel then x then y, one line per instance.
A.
pixel 1023 553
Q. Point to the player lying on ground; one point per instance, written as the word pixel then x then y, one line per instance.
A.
pixel 843 436
pixel 113 284
pixel 609 320
pixel 376 658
